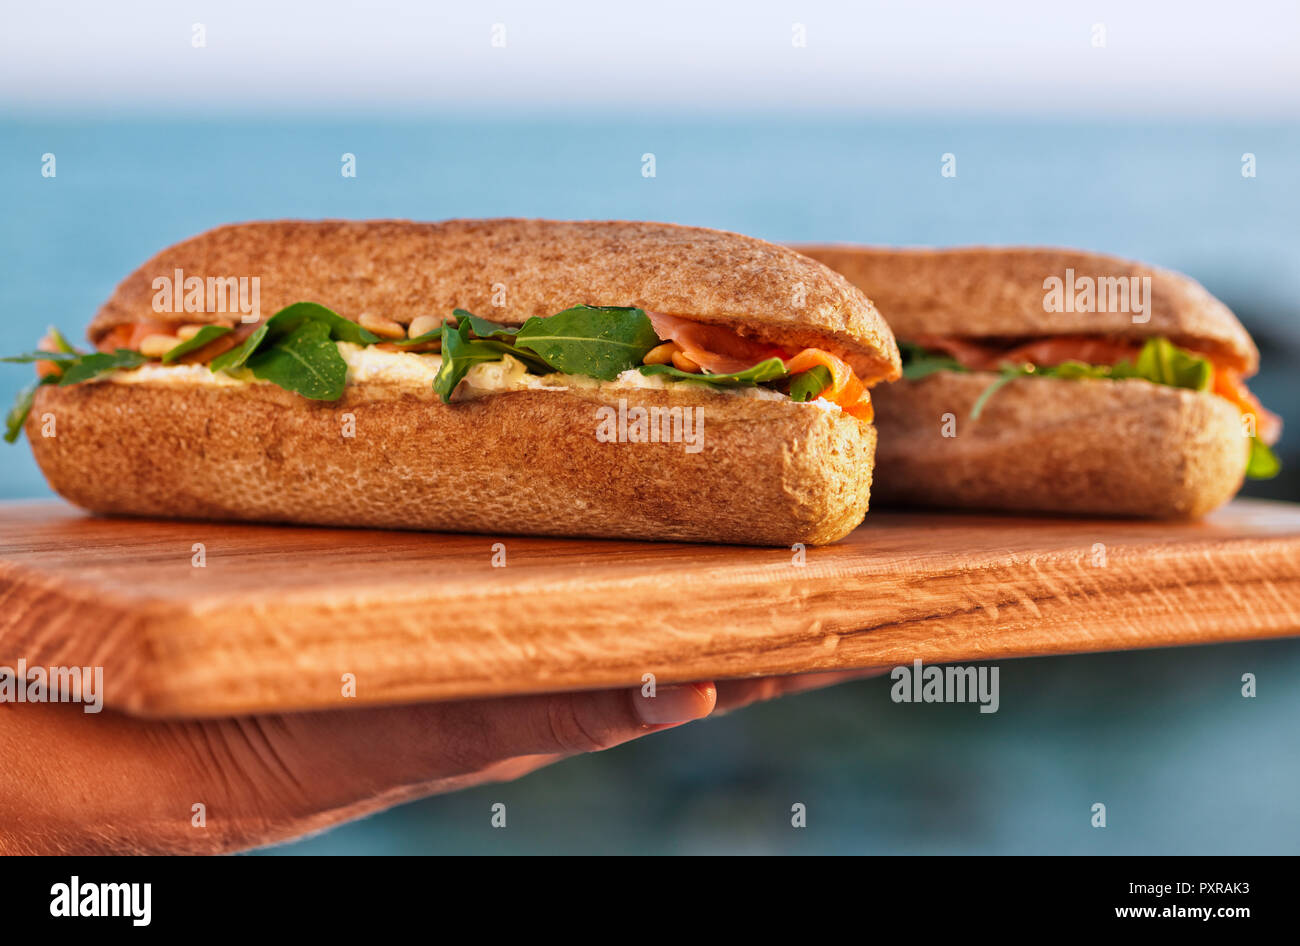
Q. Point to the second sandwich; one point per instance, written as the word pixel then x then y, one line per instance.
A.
pixel 1059 381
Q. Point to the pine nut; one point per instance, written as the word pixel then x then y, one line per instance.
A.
pixel 384 328
pixel 684 363
pixel 186 332
pixel 424 324
pixel 660 354
pixel 155 346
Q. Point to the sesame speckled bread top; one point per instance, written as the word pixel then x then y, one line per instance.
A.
pixel 401 269
pixel 998 292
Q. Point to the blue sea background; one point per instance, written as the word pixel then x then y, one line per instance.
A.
pixel 1164 738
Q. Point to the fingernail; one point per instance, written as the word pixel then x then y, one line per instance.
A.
pixel 676 704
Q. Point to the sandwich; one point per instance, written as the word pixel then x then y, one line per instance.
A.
pixel 608 379
pixel 1059 381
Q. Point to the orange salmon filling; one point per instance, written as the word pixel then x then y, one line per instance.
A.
pixel 721 350
pixel 714 348
pixel 845 389
pixel 130 336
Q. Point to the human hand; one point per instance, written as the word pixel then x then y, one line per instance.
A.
pixel 80 783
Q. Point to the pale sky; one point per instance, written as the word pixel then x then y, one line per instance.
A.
pixel 1020 55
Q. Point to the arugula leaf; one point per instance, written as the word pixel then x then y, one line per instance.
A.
pixel 1163 362
pixel 1070 370
pixel 75 368
pixel 17 415
pixel 770 370
pixel 90 367
pixel 807 385
pixel 1160 361
pixel 581 340
pixel 285 322
pixel 924 367
pixel 341 329
pixel 1008 374
pixel 586 340
pixel 204 335
pixel 63 346
pixel 460 353
pixel 1263 463
pixel 239 355
pixel 919 362
pixel 1076 369
pixel 485 328
pixel 434 336
pixel 305 361
pixel 27 357
pixel 65 352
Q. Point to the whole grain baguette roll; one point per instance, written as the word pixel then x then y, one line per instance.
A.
pixel 520 457
pixel 769 472
pixel 1099 447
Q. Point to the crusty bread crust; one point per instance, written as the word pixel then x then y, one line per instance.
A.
pixel 988 292
pixel 1125 448
pixel 400 269
pixel 769 473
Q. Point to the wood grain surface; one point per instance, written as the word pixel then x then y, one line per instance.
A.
pixel 277 616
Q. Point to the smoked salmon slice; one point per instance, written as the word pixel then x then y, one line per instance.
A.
pixel 720 350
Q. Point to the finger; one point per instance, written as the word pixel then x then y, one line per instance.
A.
pixel 472 733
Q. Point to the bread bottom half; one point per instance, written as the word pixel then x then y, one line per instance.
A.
pixel 1122 448
pixel 768 472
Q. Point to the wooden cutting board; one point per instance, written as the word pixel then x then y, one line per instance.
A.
pixel 278 615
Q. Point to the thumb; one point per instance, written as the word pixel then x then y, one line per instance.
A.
pixel 371 749
pixel 570 723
